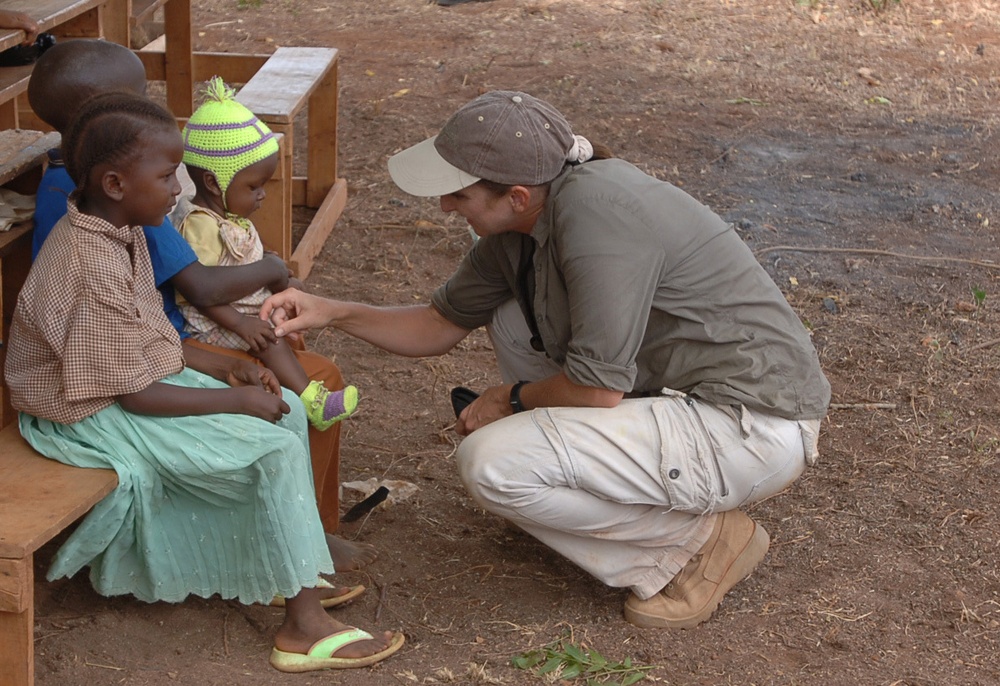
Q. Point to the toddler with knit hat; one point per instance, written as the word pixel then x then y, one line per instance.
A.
pixel 230 155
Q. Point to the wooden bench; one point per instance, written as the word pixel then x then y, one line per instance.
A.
pixel 38 497
pixel 290 80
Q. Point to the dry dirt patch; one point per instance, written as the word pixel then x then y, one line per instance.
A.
pixel 862 139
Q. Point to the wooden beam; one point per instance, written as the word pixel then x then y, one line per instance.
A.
pixel 17 634
pixel 117 24
pixel 233 68
pixel 319 230
pixel 15 584
pixel 179 70
pixel 321 157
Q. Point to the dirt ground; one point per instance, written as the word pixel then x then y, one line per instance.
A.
pixel 852 148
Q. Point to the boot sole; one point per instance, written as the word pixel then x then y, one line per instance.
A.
pixel 743 564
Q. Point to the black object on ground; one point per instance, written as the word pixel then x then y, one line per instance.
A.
pixel 366 505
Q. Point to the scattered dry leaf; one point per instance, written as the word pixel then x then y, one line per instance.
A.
pixel 866 74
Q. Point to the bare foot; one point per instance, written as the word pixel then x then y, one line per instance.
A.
pixel 349 556
pixel 306 622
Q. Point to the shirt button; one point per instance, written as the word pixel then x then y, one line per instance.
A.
pixel 674 473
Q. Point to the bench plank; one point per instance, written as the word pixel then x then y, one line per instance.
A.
pixel 283 85
pixel 21 150
pixel 40 497
pixel 15 585
pixel 51 13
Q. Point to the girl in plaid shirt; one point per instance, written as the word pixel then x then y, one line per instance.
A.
pixel 215 493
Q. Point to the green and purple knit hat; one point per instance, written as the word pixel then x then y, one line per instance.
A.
pixel 224 137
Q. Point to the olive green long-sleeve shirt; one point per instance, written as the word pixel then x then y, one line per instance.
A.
pixel 636 286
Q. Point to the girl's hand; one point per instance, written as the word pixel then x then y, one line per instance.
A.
pixel 296 284
pixel 244 373
pixel 257 402
pixel 258 334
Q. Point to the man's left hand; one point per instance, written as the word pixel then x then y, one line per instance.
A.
pixel 492 405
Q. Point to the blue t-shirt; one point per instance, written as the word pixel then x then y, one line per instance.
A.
pixel 168 251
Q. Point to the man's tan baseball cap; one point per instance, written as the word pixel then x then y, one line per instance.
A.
pixel 502 136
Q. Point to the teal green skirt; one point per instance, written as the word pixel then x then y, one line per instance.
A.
pixel 214 504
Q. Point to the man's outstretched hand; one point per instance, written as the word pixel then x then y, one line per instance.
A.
pixel 292 312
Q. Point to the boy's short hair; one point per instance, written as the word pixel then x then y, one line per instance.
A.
pixel 70 72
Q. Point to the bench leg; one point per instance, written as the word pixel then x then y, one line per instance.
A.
pixel 177 58
pixel 116 21
pixel 8 115
pixel 17 628
pixel 321 153
pixel 274 218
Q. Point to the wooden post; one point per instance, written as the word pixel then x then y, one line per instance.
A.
pixel 322 147
pixel 178 59
pixel 17 622
pixel 117 21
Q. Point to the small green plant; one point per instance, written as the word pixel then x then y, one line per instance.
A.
pixel 979 295
pixel 249 4
pixel 878 100
pixel 566 660
pixel 746 101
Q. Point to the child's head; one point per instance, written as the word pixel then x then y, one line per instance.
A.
pixel 69 73
pixel 122 151
pixel 229 153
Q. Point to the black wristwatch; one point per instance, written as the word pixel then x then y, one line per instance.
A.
pixel 515 397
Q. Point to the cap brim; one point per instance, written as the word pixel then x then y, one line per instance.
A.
pixel 422 171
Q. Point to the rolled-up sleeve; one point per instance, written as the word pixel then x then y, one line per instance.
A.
pixel 482 282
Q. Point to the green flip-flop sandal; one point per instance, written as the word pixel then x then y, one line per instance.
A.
pixel 320 655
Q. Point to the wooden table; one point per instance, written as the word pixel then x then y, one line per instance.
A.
pixel 63 19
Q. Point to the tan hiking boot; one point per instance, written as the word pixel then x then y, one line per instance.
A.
pixel 737 545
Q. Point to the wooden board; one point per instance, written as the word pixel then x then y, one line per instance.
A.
pixel 319 229
pixel 21 150
pixel 283 85
pixel 39 497
pixel 234 68
pixel 15 584
pixel 51 13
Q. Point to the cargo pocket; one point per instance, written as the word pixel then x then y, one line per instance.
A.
pixel 810 440
pixel 687 464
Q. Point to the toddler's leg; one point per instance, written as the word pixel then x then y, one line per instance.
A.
pixel 280 359
pixel 324 407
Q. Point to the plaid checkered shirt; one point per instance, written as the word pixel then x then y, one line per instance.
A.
pixel 89 324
